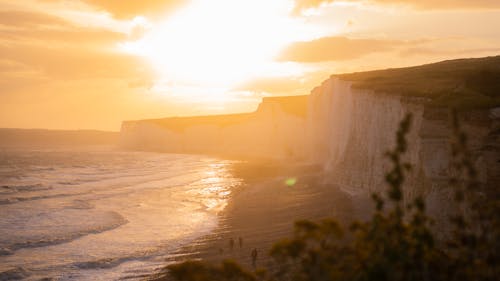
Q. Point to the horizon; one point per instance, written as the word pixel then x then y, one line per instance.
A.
pixel 91 64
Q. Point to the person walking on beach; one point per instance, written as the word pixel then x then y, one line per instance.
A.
pixel 231 244
pixel 254 257
pixel 240 241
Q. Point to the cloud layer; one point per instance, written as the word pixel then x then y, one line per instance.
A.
pixel 54 47
pixel 301 5
pixel 129 9
pixel 335 48
pixel 58 74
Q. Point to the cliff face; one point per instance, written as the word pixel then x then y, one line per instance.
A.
pixel 349 130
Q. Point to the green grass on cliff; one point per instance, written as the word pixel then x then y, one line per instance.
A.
pixel 462 83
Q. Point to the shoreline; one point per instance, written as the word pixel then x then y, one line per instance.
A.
pixel 263 210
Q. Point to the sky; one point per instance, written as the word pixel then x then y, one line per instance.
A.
pixel 90 64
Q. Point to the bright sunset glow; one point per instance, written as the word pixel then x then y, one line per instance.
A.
pixel 217 44
pixel 99 62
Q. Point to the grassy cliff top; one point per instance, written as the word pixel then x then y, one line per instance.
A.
pixel 462 83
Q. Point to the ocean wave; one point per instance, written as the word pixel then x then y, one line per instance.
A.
pixel 18 199
pixel 68 182
pixel 106 263
pixel 43 169
pixel 102 263
pixel 109 221
pixel 17 273
pixel 80 204
pixel 5 252
pixel 89 192
pixel 23 188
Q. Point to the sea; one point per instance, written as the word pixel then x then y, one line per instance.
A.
pixel 98 213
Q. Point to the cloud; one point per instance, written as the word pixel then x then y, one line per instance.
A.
pixel 127 9
pixel 301 5
pixel 77 36
pixel 73 63
pixel 428 51
pixel 20 26
pixel 335 49
pixel 24 19
pixel 131 8
pixel 37 46
pixel 57 74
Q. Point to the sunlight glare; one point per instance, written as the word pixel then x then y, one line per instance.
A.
pixel 219 43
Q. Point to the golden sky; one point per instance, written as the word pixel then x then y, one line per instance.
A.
pixel 89 64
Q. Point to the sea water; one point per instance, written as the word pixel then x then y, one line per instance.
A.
pixel 96 213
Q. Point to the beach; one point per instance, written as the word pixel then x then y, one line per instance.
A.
pixel 263 210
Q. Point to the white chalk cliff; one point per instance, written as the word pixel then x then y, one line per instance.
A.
pixel 345 130
pixel 276 130
pixel 349 130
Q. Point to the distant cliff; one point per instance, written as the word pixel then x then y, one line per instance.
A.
pixel 275 130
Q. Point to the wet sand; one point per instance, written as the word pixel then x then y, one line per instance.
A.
pixel 264 209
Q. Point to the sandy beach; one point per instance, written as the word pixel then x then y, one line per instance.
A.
pixel 264 209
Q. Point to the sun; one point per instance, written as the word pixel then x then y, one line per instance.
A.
pixel 219 43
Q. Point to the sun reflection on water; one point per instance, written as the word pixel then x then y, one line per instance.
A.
pixel 213 190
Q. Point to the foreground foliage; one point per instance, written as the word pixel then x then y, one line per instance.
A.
pixel 397 243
